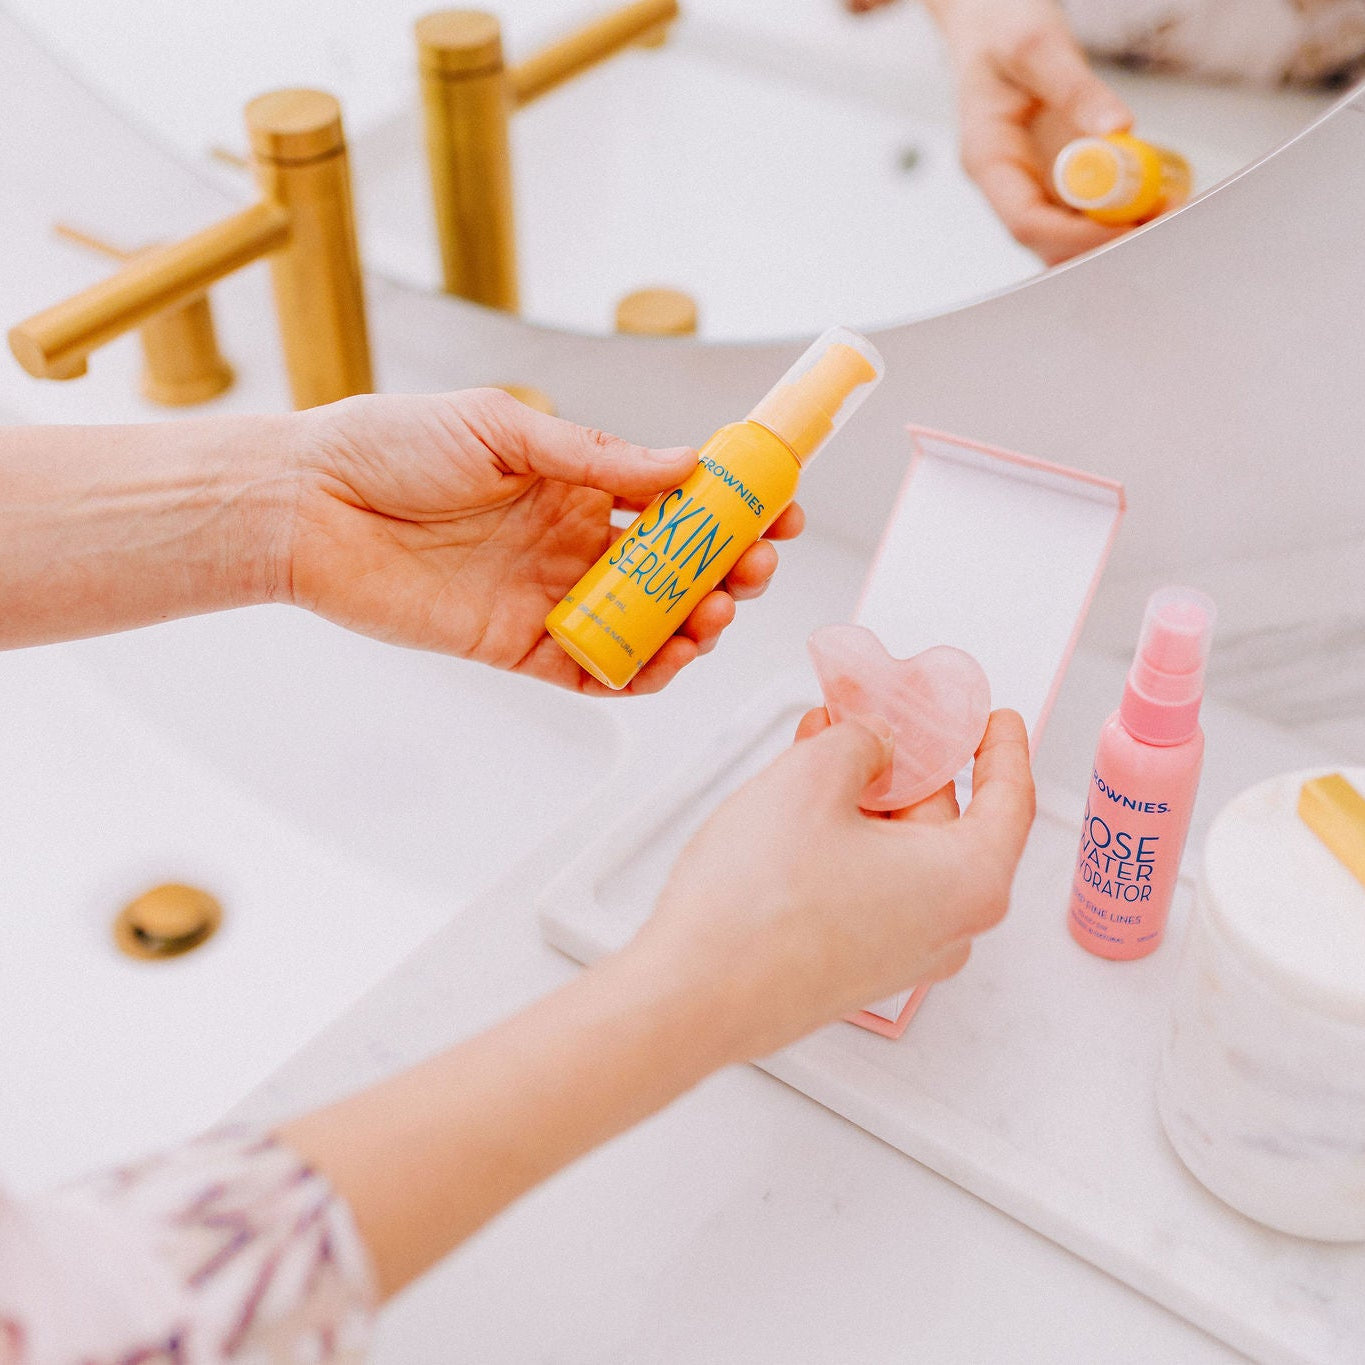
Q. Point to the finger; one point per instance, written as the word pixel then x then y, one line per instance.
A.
pixel 813 723
pixel 1018 197
pixel 709 617
pixel 672 657
pixel 837 764
pixel 948 962
pixel 525 441
pixel 1051 66
pixel 1002 803
pixel 752 572
pixel 1057 234
pixel 999 155
pixel 789 524
pixel 938 809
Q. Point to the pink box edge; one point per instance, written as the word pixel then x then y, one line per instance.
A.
pixel 864 1019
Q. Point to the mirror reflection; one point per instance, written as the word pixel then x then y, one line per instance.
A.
pixel 778 166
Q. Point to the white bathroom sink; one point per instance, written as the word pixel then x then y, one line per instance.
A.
pixel 439 771
pixel 778 205
pixel 343 799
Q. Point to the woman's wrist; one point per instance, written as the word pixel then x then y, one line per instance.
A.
pixel 212 505
pixel 699 1017
pixel 263 467
pixel 126 526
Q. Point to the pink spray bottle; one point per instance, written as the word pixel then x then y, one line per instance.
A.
pixel 1143 784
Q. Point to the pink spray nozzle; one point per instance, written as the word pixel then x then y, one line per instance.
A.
pixel 1166 681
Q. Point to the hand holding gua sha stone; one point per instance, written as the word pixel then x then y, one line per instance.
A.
pixel 937 704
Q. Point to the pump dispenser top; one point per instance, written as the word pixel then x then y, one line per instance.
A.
pixel 825 387
pixel 1166 682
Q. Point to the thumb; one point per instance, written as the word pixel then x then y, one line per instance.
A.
pixel 842 760
pixel 1054 68
pixel 531 442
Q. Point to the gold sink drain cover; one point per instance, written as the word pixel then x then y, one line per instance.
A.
pixel 166 921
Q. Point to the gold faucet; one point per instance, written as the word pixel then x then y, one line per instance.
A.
pixel 181 362
pixel 468 96
pixel 304 223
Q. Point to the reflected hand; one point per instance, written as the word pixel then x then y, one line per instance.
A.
pixel 454 522
pixel 791 906
pixel 1025 88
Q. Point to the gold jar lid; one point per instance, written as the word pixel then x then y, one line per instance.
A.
pixel 166 921
pixel 294 125
pixel 459 42
pixel 657 313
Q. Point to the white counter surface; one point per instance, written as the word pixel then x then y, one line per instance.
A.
pixel 745 1223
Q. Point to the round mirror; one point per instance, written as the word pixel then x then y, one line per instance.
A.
pixel 784 166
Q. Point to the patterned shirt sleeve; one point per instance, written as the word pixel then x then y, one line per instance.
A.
pixel 1266 42
pixel 229 1249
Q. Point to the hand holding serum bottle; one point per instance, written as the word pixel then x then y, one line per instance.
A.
pixel 1143 784
pixel 620 613
pixel 1120 179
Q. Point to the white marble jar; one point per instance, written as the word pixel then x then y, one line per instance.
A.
pixel 1262 1082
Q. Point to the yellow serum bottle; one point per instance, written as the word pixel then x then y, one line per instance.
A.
pixel 619 614
pixel 1120 179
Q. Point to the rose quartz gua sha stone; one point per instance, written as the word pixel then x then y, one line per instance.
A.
pixel 937 703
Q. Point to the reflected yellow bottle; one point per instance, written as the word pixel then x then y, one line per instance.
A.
pixel 620 613
pixel 1120 179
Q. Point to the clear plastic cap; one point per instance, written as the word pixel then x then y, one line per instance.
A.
pixel 821 391
pixel 1096 173
pixel 1166 682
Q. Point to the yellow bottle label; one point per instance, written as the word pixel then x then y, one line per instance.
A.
pixel 618 615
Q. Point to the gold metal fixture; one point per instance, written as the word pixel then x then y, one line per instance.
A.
pixel 654 38
pixel 225 156
pixel 468 96
pixel 181 362
pixel 657 313
pixel 166 921
pixel 465 104
pixel 533 398
pixel 593 43
pixel 304 223
pixel 1332 808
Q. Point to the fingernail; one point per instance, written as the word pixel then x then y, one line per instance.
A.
pixel 672 454
pixel 1104 118
pixel 879 726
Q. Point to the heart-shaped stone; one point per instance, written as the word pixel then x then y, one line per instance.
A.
pixel 937 703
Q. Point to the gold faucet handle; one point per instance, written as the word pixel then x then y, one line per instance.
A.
pixel 225 156
pixel 181 362
pixel 79 237
pixel 304 223
pixel 645 21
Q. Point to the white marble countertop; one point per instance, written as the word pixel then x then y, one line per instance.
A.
pixel 744 1223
